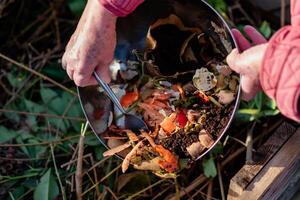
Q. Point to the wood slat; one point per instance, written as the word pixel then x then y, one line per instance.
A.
pixel 263 155
pixel 274 178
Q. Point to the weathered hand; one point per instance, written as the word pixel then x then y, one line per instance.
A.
pixel 91 46
pixel 249 61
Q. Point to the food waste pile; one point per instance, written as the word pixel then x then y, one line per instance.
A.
pixel 182 88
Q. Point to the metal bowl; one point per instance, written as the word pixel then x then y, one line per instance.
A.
pixel 131 34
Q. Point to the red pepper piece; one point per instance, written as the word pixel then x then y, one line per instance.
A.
pixel 129 98
pixel 182 119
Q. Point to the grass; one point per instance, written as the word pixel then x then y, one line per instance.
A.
pixel 44 151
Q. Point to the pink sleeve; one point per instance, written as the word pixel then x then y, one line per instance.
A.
pixel 280 72
pixel 121 8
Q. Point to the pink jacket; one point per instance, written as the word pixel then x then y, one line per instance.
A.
pixel 280 71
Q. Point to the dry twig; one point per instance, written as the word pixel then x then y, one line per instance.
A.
pixel 42 115
pixel 78 174
pixel 249 144
pixel 57 173
pixel 221 181
pixel 37 74
pixel 209 190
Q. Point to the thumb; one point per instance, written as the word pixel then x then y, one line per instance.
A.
pixel 248 62
pixel 232 61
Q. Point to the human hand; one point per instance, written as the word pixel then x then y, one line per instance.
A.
pixel 91 46
pixel 249 61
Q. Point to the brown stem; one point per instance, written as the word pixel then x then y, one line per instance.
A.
pixel 42 115
pixel 95 175
pixel 41 143
pixel 221 181
pixel 249 144
pixel 73 156
pixel 69 163
pixel 78 174
pixel 37 73
pixel 209 190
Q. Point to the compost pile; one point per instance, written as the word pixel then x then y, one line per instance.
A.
pixel 182 88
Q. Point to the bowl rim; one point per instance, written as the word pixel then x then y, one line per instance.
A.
pixel 236 105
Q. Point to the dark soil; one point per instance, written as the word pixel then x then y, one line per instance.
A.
pixel 217 119
pixel 178 142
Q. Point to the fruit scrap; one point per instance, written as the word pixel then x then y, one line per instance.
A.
pixel 195 149
pixel 181 119
pixel 192 116
pixel 117 149
pixel 131 135
pixel 151 116
pixel 129 98
pixel 130 155
pixel 178 88
pixel 169 162
pixel 205 139
pixel 204 98
pixel 152 165
pixel 161 95
pixel 168 124
pixel 226 96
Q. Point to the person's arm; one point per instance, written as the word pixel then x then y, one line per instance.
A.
pixel 273 67
pixel 92 45
pixel 121 8
pixel 280 70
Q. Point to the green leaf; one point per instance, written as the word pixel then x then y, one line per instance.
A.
pixel 47 188
pixel 14 79
pixel 218 149
pixel 6 135
pixel 91 140
pixel 98 150
pixel 265 29
pixel 76 6
pixel 249 111
pixel 209 167
pixel 219 5
pixel 47 94
pixel 259 98
pixel 33 107
pixel 18 192
pixel 270 112
pixel 31 151
pixel 55 71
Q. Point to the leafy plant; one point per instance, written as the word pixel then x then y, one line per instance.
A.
pixel 209 167
pixel 260 106
pixel 219 5
pixel 47 189
pixel 265 29
pixel 6 134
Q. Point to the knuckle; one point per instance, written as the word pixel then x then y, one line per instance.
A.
pixel 79 81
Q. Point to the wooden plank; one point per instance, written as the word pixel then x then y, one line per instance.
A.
pixel 246 174
pixel 273 179
pixel 292 191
